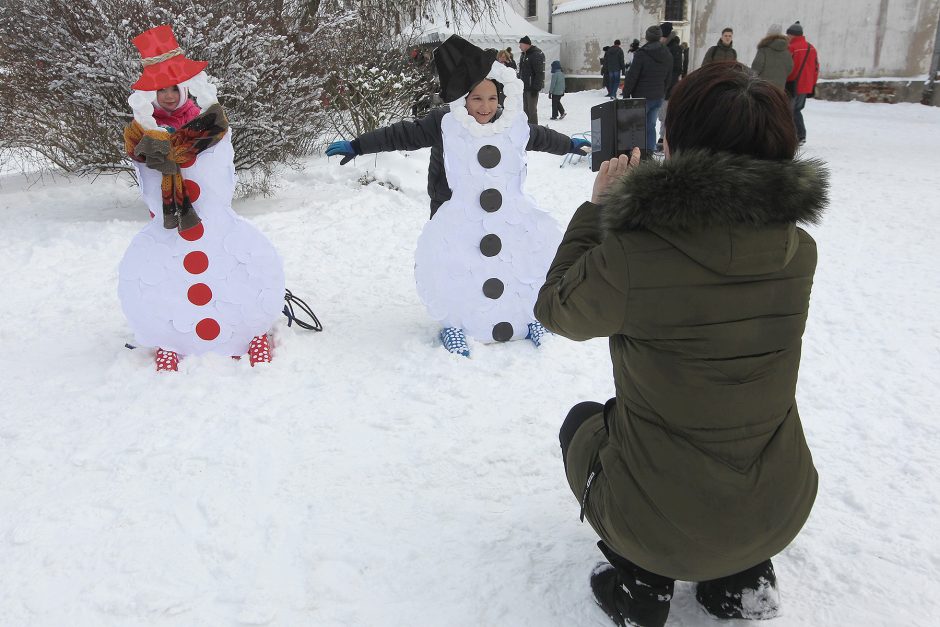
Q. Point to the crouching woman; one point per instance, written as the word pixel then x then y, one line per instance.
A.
pixel 696 270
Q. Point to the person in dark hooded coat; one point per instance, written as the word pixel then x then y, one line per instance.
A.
pixel 696 271
pixel 773 61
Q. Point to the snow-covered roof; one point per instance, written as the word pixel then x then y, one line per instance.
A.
pixel 581 5
pixel 507 26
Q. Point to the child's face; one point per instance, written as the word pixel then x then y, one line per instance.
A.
pixel 168 97
pixel 482 102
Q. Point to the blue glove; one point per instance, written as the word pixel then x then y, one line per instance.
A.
pixel 342 147
pixel 579 146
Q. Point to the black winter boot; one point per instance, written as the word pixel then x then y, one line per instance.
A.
pixel 629 594
pixel 750 594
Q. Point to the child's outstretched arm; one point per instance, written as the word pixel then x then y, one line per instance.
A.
pixel 404 135
pixel 544 139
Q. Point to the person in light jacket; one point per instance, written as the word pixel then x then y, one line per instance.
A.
pixel 556 90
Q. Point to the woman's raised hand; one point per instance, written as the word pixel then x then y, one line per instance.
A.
pixel 612 170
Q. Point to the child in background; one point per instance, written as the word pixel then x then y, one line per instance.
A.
pixel 173 108
pixel 557 89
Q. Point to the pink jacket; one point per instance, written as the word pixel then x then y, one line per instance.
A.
pixel 183 114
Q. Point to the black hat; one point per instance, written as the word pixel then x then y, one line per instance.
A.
pixel 666 27
pixel 654 33
pixel 461 65
pixel 795 29
pixel 525 40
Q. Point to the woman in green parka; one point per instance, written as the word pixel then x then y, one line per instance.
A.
pixel 773 61
pixel 696 270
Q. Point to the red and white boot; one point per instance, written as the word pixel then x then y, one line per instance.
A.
pixel 167 361
pixel 259 350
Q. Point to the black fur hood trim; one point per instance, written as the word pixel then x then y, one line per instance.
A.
pixel 699 189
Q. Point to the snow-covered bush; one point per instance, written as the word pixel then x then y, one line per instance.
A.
pixel 67 67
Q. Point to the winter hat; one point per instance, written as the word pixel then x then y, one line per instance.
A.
pixel 184 96
pixel 775 29
pixel 461 65
pixel 525 40
pixel 795 29
pixel 164 63
pixel 556 66
pixel 654 33
pixel 666 27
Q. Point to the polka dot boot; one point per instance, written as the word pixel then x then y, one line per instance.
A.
pixel 455 341
pixel 536 333
pixel 259 350
pixel 167 361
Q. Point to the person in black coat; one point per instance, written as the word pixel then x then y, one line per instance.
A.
pixel 532 75
pixel 605 77
pixel 615 65
pixel 648 78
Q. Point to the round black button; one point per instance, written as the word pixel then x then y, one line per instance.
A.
pixel 502 332
pixel 488 156
pixel 493 288
pixel 490 245
pixel 491 200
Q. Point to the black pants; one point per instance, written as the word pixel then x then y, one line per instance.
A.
pixel 557 108
pixel 573 421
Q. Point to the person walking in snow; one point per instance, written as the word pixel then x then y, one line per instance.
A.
pixel 532 75
pixel 605 75
pixel 648 77
pixel 696 271
pixel 614 61
pixel 556 90
pixel 773 61
pixel 723 50
pixel 491 228
pixel 803 77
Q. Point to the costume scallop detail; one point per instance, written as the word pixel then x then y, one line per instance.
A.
pixel 481 260
pixel 211 288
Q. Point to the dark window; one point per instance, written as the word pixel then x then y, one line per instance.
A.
pixel 675 11
pixel 531 8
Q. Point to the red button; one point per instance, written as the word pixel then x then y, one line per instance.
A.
pixel 207 329
pixel 194 233
pixel 200 294
pixel 196 262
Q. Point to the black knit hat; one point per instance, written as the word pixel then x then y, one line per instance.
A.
pixel 654 33
pixel 525 40
pixel 666 27
pixel 461 65
pixel 795 29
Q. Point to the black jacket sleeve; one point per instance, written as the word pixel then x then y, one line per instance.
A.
pixel 544 139
pixel 404 135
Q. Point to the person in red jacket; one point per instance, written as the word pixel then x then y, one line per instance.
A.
pixel 173 108
pixel 802 79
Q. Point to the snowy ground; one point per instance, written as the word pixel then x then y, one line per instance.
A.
pixel 367 477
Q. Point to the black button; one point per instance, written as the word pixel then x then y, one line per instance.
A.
pixel 493 288
pixel 490 245
pixel 491 200
pixel 502 332
pixel 488 156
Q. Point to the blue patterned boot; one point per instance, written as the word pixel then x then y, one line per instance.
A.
pixel 536 333
pixel 455 341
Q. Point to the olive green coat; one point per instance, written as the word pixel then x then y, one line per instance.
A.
pixel 720 52
pixel 773 61
pixel 696 271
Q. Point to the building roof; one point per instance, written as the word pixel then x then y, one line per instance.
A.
pixel 506 27
pixel 581 5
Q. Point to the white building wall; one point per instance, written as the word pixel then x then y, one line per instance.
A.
pixel 585 33
pixel 871 38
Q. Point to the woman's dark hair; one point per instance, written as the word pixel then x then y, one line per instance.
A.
pixel 725 107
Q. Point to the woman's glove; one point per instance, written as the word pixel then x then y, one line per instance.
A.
pixel 579 146
pixel 342 147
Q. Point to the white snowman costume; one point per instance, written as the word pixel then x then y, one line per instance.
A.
pixel 481 260
pixel 211 288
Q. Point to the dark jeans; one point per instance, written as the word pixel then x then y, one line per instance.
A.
pixel 799 101
pixel 557 108
pixel 530 102
pixel 613 84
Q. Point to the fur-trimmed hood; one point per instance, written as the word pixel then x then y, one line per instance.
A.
pixel 734 214
pixel 777 42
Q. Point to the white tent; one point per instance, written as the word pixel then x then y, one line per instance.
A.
pixel 502 31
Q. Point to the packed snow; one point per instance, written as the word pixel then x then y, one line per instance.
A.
pixel 368 477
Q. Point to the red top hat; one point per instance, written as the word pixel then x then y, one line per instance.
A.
pixel 164 63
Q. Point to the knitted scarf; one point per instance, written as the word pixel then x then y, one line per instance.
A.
pixel 167 151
